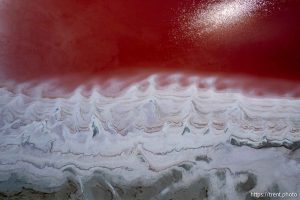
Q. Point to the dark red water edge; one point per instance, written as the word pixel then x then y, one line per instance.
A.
pixel 131 40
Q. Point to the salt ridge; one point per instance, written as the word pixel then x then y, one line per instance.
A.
pixel 46 141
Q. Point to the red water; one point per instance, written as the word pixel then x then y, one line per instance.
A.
pixel 46 38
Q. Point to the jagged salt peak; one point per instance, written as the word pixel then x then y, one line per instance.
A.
pixel 78 123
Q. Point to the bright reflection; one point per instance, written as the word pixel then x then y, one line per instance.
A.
pixel 224 14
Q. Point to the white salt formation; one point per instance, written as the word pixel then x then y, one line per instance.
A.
pixel 166 142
